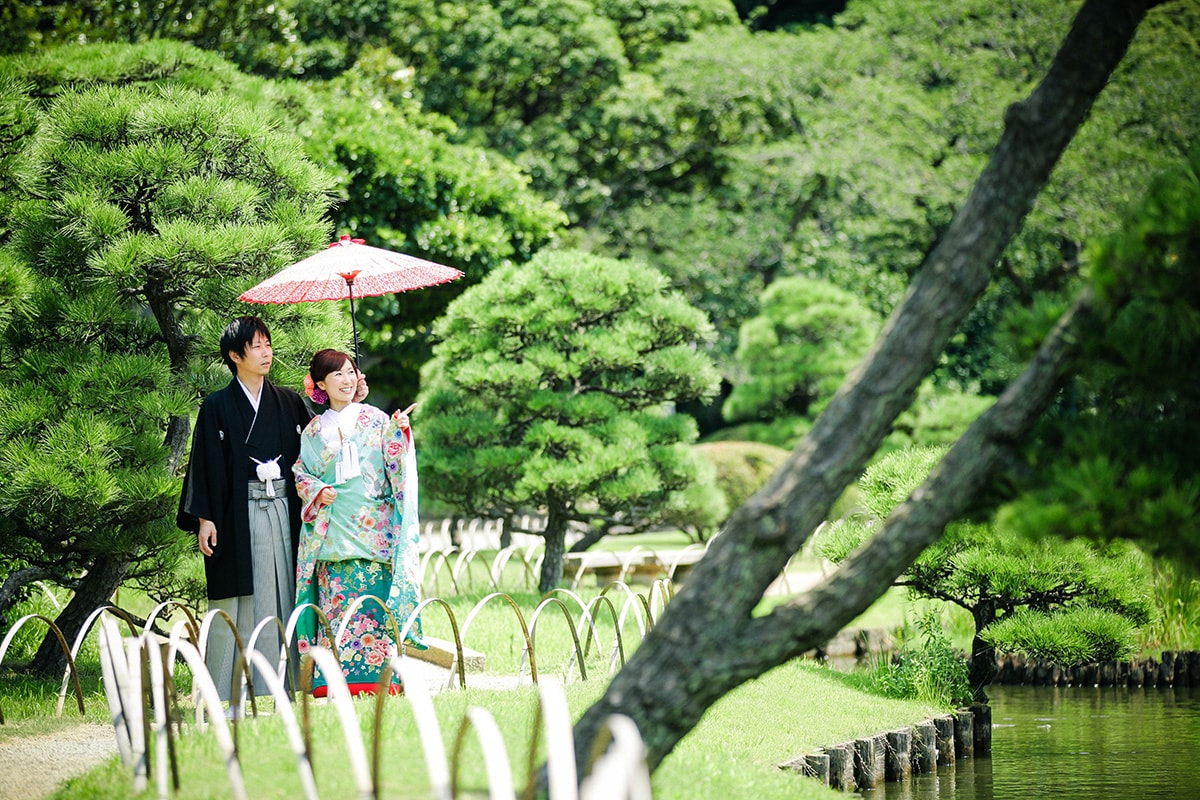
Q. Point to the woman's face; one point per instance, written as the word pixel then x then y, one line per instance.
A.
pixel 340 384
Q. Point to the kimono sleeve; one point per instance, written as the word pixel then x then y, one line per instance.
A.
pixel 400 464
pixel 198 499
pixel 309 470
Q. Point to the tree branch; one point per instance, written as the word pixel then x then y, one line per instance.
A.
pixel 963 471
pixel 701 649
pixel 17 581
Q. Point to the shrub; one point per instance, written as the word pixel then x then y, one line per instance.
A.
pixel 742 467
pixel 931 672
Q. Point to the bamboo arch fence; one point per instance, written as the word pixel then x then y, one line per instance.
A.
pixel 138 673
pixel 138 676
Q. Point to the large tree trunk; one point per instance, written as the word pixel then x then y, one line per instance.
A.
pixel 179 350
pixel 555 535
pixel 708 641
pixel 95 589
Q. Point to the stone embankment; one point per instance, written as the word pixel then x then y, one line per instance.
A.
pixel 898 755
pixel 869 761
pixel 1170 670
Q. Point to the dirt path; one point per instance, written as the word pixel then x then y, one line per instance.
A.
pixel 32 767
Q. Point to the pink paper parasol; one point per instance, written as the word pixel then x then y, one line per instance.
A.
pixel 348 268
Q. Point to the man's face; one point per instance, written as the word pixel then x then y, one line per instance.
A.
pixel 256 360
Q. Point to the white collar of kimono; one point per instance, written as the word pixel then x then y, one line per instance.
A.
pixel 339 425
pixel 253 398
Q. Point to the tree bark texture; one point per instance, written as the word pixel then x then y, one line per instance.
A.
pixel 555 535
pixel 95 589
pixel 179 351
pixel 10 588
pixel 983 655
pixel 707 641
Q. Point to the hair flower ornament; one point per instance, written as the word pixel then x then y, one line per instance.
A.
pixel 314 392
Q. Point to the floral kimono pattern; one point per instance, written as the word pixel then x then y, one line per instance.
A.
pixel 364 543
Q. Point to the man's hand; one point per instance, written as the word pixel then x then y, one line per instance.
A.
pixel 360 393
pixel 207 536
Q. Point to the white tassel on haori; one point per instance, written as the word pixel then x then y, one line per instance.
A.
pixel 268 472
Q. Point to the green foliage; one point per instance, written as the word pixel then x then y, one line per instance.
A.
pixel 1120 455
pixel 646 27
pixel 1176 621
pixel 779 432
pixel 403 186
pixel 244 31
pixel 847 154
pixel 938 416
pixel 510 69
pixel 996 573
pixel 551 386
pixel 792 357
pixel 700 508
pixel 332 35
pixel 1068 637
pixel 825 168
pixel 742 468
pixel 397 180
pixel 930 671
pixel 723 157
pixel 141 214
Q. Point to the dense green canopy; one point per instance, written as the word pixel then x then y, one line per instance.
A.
pixel 553 386
pixel 730 157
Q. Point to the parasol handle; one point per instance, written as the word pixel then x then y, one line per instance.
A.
pixel 349 278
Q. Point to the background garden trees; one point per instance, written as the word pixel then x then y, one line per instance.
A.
pixel 246 31
pixel 1069 602
pixel 402 185
pixel 1119 456
pixel 553 386
pixel 709 639
pixel 725 153
pixel 397 180
pixel 142 214
pixel 794 355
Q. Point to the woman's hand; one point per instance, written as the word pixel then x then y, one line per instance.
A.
pixel 401 417
pixel 325 497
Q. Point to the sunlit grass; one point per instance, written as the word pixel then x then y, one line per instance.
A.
pixel 736 748
pixel 496 630
pixel 795 708
pixel 29 702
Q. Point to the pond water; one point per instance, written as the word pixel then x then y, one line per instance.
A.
pixel 1076 744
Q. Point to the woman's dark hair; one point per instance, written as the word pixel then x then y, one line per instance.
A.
pixel 327 361
pixel 238 335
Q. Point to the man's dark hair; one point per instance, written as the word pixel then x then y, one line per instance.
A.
pixel 237 337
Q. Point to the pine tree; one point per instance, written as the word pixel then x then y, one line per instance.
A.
pixel 552 386
pixel 1041 596
pixel 141 217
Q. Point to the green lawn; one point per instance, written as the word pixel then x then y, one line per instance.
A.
pixel 736 748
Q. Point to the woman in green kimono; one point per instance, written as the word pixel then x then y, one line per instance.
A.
pixel 356 477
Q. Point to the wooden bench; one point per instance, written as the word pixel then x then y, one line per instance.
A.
pixel 634 566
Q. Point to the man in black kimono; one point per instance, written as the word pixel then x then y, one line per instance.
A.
pixel 239 498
